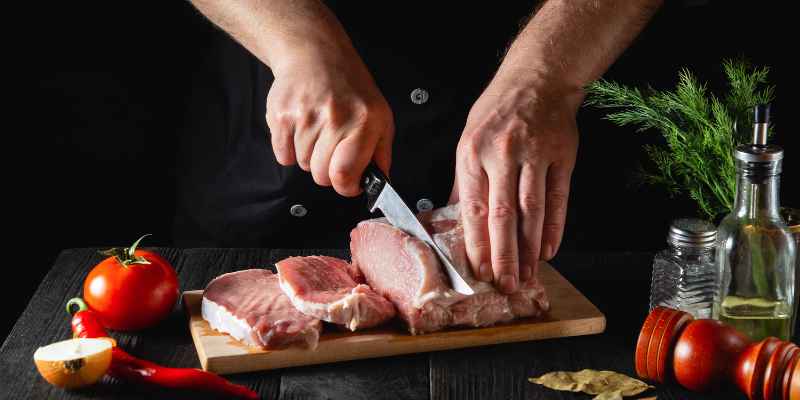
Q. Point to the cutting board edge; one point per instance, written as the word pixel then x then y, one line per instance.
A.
pixel 233 364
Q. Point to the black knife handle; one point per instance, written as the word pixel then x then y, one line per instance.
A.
pixel 373 182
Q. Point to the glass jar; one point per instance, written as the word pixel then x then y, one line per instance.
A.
pixel 684 274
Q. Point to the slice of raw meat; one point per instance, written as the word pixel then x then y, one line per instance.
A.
pixel 406 271
pixel 323 287
pixel 250 306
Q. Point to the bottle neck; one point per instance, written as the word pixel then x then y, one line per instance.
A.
pixel 756 196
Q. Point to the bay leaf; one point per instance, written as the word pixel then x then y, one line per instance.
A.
pixel 612 395
pixel 607 385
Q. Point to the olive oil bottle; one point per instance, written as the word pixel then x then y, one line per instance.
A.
pixel 757 317
pixel 755 251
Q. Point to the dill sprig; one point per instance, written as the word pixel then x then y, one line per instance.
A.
pixel 699 128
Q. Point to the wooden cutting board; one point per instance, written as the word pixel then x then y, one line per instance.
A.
pixel 571 314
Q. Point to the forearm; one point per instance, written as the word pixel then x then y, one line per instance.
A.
pixel 279 31
pixel 572 42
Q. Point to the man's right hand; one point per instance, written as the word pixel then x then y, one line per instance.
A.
pixel 326 114
pixel 323 109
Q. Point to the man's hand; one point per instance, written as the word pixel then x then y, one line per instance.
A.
pixel 324 110
pixel 326 114
pixel 513 168
pixel 516 155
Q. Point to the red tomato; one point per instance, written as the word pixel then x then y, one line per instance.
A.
pixel 132 289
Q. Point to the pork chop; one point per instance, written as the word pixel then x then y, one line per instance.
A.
pixel 325 288
pixel 250 306
pixel 406 271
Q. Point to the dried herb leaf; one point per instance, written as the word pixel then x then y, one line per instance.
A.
pixel 613 395
pixel 608 385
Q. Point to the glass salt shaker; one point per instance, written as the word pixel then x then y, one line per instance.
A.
pixel 684 274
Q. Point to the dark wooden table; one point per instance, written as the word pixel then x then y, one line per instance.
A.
pixel 618 283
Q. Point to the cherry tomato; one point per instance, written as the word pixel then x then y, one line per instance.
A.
pixel 132 289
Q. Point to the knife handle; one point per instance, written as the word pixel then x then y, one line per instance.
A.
pixel 373 182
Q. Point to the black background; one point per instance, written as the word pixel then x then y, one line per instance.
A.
pixel 98 93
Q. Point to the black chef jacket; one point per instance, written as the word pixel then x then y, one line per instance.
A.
pixel 430 62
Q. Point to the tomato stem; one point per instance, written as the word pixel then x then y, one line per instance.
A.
pixel 76 301
pixel 127 255
pixel 132 249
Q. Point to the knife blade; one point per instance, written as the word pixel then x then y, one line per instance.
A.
pixel 381 195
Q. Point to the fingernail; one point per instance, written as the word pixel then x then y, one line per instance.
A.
pixel 547 253
pixel 524 272
pixel 508 283
pixel 485 272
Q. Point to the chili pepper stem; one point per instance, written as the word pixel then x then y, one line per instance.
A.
pixel 76 301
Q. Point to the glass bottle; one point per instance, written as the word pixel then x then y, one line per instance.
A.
pixel 684 274
pixel 755 251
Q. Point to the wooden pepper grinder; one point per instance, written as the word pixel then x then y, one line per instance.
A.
pixel 703 354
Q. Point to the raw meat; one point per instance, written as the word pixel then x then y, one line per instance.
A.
pixel 250 306
pixel 406 271
pixel 325 288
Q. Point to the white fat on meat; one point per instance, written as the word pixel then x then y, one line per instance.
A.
pixel 328 288
pixel 406 271
pixel 250 306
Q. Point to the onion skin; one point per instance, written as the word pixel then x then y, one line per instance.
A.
pixel 77 372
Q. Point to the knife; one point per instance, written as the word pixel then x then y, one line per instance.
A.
pixel 381 195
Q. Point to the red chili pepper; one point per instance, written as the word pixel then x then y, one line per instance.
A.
pixel 84 321
pixel 129 368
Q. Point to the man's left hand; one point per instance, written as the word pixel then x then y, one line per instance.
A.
pixel 513 167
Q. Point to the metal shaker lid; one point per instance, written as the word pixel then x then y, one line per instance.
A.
pixel 692 232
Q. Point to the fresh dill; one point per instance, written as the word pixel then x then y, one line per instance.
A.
pixel 699 128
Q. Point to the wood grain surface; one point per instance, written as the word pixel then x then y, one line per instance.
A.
pixel 617 283
pixel 571 315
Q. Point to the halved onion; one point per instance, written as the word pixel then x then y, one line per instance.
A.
pixel 73 363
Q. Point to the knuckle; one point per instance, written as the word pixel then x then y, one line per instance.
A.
pixel 550 228
pixel 320 176
pixel 341 177
pixel 504 144
pixel 530 204
pixel 474 209
pixel 469 147
pixel 529 249
pixel 481 247
pixel 519 125
pixel 270 119
pixel 273 121
pixel 307 120
pixel 320 181
pixel 283 157
pixel 282 160
pixel 504 261
pixel 333 114
pixel 360 116
pixel 304 161
pixel 557 197
pixel 557 203
pixel 502 212
pixel 374 114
